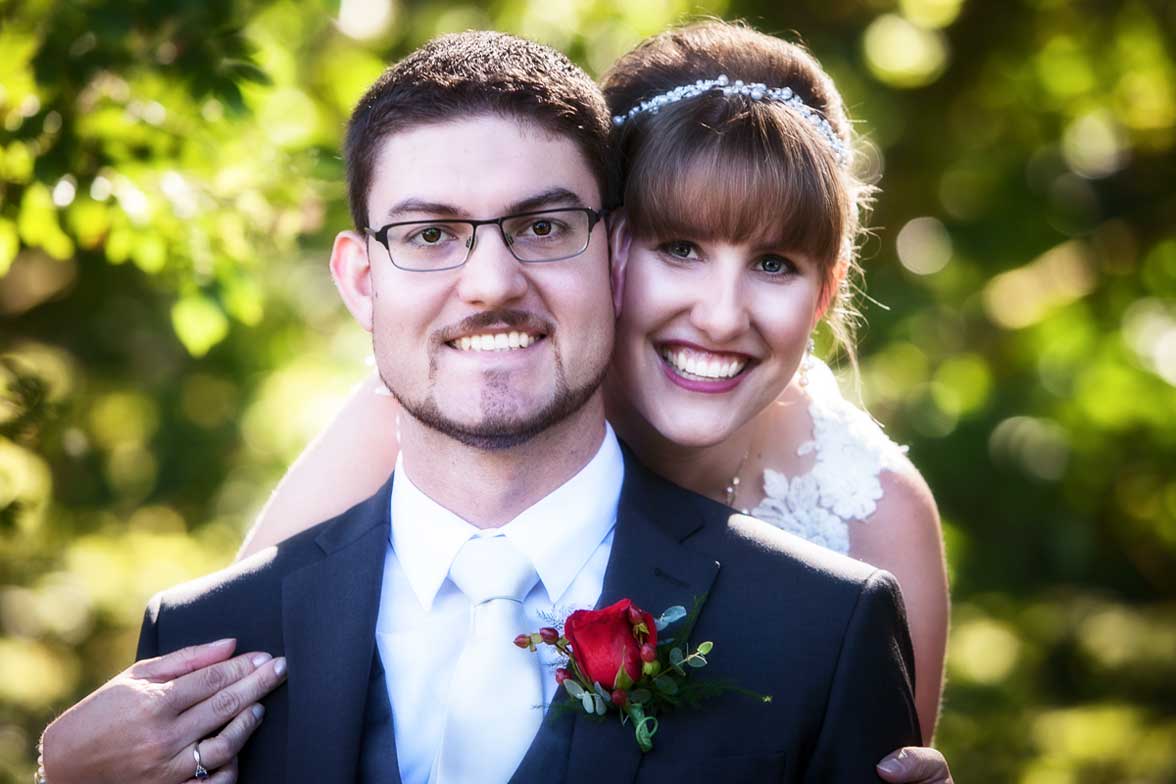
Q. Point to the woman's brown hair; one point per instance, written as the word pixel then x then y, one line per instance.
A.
pixel 730 167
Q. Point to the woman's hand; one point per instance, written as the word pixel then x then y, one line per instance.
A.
pixel 144 723
pixel 915 765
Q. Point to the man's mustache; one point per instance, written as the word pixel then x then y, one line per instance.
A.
pixel 519 320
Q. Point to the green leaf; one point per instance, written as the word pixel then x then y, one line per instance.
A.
pixel 575 690
pixel 199 324
pixel 601 704
pixel 665 684
pixel 640 696
pixel 9 245
pixel 697 661
pixel 676 657
pixel 671 615
pixel 705 647
pixel 588 701
pixel 622 681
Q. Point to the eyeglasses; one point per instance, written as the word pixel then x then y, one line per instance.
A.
pixel 532 237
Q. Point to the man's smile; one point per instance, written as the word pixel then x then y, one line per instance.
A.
pixel 496 341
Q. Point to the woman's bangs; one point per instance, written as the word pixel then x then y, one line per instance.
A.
pixel 736 187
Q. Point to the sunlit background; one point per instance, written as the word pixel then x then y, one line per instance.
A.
pixel 170 180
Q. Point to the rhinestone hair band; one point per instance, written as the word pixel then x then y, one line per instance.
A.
pixel 754 91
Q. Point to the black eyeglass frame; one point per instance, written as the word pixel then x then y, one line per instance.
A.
pixel 380 235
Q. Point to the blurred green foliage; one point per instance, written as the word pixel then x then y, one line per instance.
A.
pixel 170 182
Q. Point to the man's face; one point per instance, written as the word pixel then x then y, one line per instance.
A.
pixel 438 336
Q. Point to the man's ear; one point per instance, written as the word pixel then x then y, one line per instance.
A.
pixel 352 272
pixel 620 240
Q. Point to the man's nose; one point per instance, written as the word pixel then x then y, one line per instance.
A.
pixel 491 275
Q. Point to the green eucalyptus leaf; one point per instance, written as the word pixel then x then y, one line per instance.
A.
pixel 586 699
pixel 697 661
pixel 640 696
pixel 575 690
pixel 671 615
pixel 601 704
pixel 665 684
pixel 676 657
pixel 705 647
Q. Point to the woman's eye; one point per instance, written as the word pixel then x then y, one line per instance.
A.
pixel 679 249
pixel 775 265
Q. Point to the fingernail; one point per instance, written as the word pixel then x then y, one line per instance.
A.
pixel 258 712
pixel 226 642
pixel 261 659
pixel 280 666
pixel 891 766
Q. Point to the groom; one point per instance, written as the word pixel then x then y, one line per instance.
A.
pixel 513 501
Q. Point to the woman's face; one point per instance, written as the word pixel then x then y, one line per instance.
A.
pixel 709 332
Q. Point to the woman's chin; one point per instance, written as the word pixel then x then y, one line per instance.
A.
pixel 696 435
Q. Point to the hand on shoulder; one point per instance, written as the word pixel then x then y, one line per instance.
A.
pixel 144 723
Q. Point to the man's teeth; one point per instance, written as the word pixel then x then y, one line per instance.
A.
pixel 703 365
pixel 500 341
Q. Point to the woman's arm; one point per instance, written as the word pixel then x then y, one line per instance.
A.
pixel 903 537
pixel 344 464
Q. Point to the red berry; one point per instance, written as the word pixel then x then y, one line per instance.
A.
pixel 648 652
pixel 561 675
pixel 619 698
pixel 635 616
pixel 548 635
pixel 523 641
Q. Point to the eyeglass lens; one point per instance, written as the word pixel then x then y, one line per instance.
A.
pixel 548 236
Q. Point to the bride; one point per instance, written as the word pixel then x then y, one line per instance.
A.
pixel 735 240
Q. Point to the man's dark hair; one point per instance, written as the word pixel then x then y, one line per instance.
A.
pixel 478 72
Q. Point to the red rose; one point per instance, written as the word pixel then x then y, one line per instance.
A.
pixel 605 640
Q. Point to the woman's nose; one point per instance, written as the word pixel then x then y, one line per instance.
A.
pixel 720 311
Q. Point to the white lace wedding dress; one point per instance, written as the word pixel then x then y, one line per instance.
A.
pixel 844 485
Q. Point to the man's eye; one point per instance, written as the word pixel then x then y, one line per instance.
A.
pixel 431 234
pixel 542 228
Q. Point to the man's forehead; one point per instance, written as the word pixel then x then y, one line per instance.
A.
pixel 481 162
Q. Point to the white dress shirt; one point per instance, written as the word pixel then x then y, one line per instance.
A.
pixel 423 616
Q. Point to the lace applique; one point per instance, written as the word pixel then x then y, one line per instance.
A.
pixel 850 452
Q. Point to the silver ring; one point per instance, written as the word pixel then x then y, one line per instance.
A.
pixel 201 771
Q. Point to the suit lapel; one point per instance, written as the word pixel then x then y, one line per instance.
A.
pixel 329 614
pixel 650 565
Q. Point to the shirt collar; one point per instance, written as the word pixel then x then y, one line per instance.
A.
pixel 558 533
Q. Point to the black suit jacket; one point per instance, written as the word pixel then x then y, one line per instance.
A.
pixel 823 634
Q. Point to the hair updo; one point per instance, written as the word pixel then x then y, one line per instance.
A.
pixel 733 168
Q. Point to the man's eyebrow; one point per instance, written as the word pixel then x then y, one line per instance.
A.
pixel 409 207
pixel 550 198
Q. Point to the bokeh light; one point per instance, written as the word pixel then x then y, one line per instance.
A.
pixel 903 54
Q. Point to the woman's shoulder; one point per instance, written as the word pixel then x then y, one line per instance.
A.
pixel 830 463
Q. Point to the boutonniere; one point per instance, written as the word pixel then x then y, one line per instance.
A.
pixel 615 663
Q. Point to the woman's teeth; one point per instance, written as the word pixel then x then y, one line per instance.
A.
pixel 499 341
pixel 703 364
